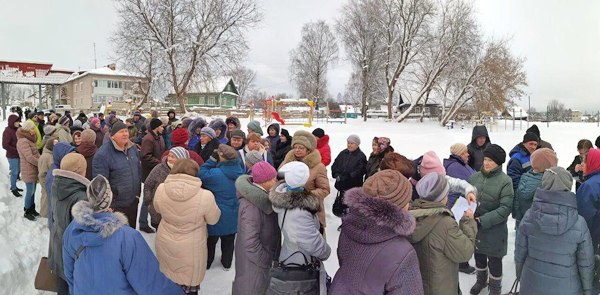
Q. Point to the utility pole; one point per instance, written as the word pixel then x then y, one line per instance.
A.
pixel 95 64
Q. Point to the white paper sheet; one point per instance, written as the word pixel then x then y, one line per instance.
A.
pixel 461 206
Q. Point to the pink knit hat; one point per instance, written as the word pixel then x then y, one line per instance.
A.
pixel 431 163
pixel 94 121
pixel 263 172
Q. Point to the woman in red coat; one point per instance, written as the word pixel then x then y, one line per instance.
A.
pixel 323 146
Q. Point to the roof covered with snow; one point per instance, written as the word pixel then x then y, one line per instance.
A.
pixel 105 71
pixel 215 85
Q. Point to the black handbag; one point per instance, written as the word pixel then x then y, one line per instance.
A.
pixel 514 290
pixel 339 208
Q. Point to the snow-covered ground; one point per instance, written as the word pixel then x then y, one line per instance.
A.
pixel 23 243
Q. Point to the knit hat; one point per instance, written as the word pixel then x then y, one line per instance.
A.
pixel 227 152
pixel 88 135
pixel 263 172
pixel 557 179
pixel 255 127
pixel 253 157
pixel 306 139
pixel 179 136
pixel 208 131
pixel 77 124
pixel 390 185
pixel 354 139
pixel 534 129
pixel 99 194
pixel 433 187
pixel 49 129
pixel 458 149
pixel 118 126
pixel 295 173
pixel 318 132
pixel 74 162
pixel 155 123
pixel 431 163
pixel 28 125
pixel 94 121
pixel 63 120
pixel 180 153
pixel 286 133
pixel 496 153
pixel 543 159
pixel 530 136
pixel 237 133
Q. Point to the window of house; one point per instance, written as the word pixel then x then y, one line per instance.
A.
pixel 417 109
pixel 80 86
pixel 74 87
pixel 426 109
pixel 211 101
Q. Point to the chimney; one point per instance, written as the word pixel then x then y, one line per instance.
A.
pixel 112 66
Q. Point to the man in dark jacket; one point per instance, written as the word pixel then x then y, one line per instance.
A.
pixel 118 161
pixel 9 143
pixel 153 146
pixel 479 141
pixel 349 169
pixel 542 143
pixel 520 158
pixel 41 123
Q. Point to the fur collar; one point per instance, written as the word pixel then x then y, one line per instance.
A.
pixel 254 194
pixel 21 133
pixel 71 175
pixel 84 215
pixel 311 160
pixel 282 198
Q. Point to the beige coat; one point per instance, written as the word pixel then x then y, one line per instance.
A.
pixel 29 155
pixel 44 163
pixel 185 208
pixel 318 183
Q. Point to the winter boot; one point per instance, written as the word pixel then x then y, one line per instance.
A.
pixel 482 281
pixel 33 212
pixel 28 214
pixel 495 285
pixel 19 189
pixel 466 268
pixel 16 193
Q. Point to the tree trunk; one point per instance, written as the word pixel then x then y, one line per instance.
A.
pixel 389 104
pixel 365 89
pixel 180 100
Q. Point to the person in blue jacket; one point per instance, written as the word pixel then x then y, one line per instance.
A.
pixel 588 195
pixel 520 158
pixel 194 130
pixel 218 175
pixel 60 150
pixel 102 256
pixel 220 129
pixel 119 161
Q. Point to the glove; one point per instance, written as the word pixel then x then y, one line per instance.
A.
pixel 215 156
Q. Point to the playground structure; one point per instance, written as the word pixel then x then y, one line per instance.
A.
pixel 289 111
pixel 338 119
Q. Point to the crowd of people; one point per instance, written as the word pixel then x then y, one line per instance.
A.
pixel 263 197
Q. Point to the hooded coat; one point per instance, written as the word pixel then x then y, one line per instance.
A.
pixel 61 149
pixel 220 179
pixel 273 139
pixel 441 245
pixel 281 150
pixel 88 150
pixel 219 124
pixel 28 152
pixel 195 138
pixel 157 176
pixel 475 151
pixel 542 265
pixel 181 239
pixel 519 164
pixel 374 254
pixel 99 136
pixel 69 188
pixel 324 150
pixel 528 185
pixel 115 259
pixel 64 134
pixel 9 138
pixel 235 122
pixel 350 167
pixel 495 196
pixel 457 168
pixel 318 182
pixel 257 239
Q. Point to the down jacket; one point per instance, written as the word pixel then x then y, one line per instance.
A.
pixel 318 183
pixel 122 169
pixel 519 164
pixel 495 196
pixel 324 150
pixel 554 253
pixel 186 209
pixel 257 238
pixel 29 155
pixel 157 176
pixel 115 259
pixel 374 254
pixel 220 179
pixel 528 185
pixel 441 245
pixel 61 149
pixel 350 167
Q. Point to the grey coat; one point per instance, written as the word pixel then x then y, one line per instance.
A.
pixel 157 176
pixel 257 238
pixel 554 252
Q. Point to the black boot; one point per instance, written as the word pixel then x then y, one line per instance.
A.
pixel 147 229
pixel 28 214
pixel 19 189
pixel 495 285
pixel 16 193
pixel 32 211
pixel 482 281
pixel 466 268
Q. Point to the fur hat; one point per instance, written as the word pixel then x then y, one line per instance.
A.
pixel 74 162
pixel 263 172
pixel 253 157
pixel 496 153
pixel 390 185
pixel 543 159
pixel 458 149
pixel 296 174
pixel 88 135
pixel 227 152
pixel 557 179
pixel 431 163
pixel 99 194
pixel 399 163
pixel 155 123
pixel 28 125
pixel 49 129
pixel 117 126
pixel 180 152
pixel 180 136
pixel 433 187
pixel 306 139
pixel 209 132
pixel 318 132
pixel 354 139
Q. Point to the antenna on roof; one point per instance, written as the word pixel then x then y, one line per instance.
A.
pixel 95 65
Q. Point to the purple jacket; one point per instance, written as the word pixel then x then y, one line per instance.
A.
pixel 374 254
pixel 457 168
pixel 9 138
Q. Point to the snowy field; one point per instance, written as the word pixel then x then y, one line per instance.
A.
pixel 23 243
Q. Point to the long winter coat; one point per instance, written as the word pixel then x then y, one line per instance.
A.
pixel 64 134
pixel 9 138
pixel 220 179
pixel 375 161
pixel 528 185
pixel 186 209
pixel 69 188
pixel 457 168
pixel 519 164
pixel 257 238
pixel 193 155
pixel 300 230
pixel 88 150
pixel 324 150
pixel 116 258
pixel 122 169
pixel 273 139
pixel 153 146
pixel 588 196
pixel 441 245
pixel 29 155
pixel 495 196
pixel 61 149
pixel 281 150
pixel 157 176
pixel 554 253
pixel 351 168
pixel 206 151
pixel 99 136
pixel 475 151
pixel 318 183
pixel 44 164
pixel 374 254
pixel 219 124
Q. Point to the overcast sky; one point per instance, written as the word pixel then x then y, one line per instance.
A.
pixel 560 39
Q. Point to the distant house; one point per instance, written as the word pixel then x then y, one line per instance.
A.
pixel 432 110
pixel 353 112
pixel 517 112
pixel 218 93
pixel 576 116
